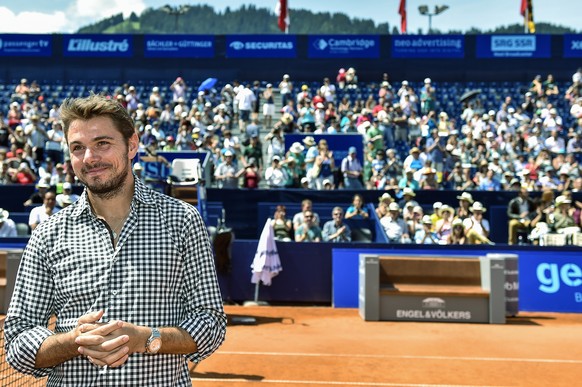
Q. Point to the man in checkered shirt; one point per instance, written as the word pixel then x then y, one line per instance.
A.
pixel 127 271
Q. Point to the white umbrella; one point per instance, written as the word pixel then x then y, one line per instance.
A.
pixel 266 264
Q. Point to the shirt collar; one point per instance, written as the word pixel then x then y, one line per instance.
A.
pixel 142 194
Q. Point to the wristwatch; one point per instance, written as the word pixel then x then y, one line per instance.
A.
pixel 154 342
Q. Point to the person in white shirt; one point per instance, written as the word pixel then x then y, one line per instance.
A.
pixel 67 195
pixel 7 225
pixel 555 143
pixel 477 228
pixel 327 90
pixel 179 89
pixel 54 143
pixel 276 176
pixel 245 99
pixel 394 226
pixel 42 213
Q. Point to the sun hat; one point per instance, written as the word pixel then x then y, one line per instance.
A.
pixel 477 206
pixel 385 197
pixel 309 141
pixel 286 118
pixel 408 191
pixel 296 148
pixel 446 208
pixel 562 200
pixel 393 207
pixel 466 196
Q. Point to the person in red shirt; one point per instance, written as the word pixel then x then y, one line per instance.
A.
pixel 24 175
pixel 250 174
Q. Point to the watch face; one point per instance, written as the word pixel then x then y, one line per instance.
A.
pixel 155 345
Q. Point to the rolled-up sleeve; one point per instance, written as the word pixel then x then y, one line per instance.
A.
pixel 31 305
pixel 206 320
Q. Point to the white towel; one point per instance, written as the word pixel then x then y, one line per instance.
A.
pixel 266 263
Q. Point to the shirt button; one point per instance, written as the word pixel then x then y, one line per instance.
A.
pixel 114 292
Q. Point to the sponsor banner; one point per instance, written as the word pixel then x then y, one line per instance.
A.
pixel 550 282
pixel 119 46
pixel 572 46
pixel 26 45
pixel 339 144
pixel 513 46
pixel 428 46
pixel 179 46
pixel 261 46
pixel 439 314
pixel 344 46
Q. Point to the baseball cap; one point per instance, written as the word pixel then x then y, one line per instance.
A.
pixel 352 149
pixel 67 185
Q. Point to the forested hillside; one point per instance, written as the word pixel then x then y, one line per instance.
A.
pixel 248 19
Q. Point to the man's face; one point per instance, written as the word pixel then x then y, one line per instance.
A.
pixel 100 156
pixel 337 216
pixel 49 200
pixel 308 216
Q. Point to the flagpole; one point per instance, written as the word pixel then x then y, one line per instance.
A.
pixel 526 21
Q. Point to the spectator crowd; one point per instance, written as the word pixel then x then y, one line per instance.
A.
pixel 410 142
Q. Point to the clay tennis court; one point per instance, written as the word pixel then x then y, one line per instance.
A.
pixel 321 346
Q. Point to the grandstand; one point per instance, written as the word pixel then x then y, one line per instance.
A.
pixel 332 277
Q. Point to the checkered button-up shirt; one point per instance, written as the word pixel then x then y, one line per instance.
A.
pixel 160 274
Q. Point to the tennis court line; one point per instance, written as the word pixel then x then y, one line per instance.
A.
pixel 420 357
pixel 332 383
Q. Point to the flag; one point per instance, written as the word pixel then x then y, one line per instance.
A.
pixel 526 11
pixel 402 12
pixel 266 263
pixel 282 11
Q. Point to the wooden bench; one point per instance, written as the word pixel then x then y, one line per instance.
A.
pixel 189 194
pixel 432 288
pixel 440 276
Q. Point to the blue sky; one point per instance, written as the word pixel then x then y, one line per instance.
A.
pixel 48 16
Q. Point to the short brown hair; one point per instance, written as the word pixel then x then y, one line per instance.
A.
pixel 96 105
